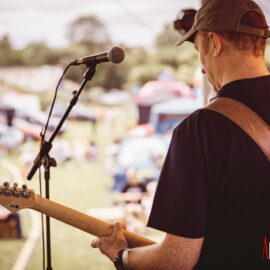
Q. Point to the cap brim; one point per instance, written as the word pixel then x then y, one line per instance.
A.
pixel 189 36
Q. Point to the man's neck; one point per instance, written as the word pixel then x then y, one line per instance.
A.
pixel 243 69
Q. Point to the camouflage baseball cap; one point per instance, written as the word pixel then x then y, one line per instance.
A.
pixel 224 15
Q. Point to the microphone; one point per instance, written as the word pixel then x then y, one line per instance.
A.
pixel 116 55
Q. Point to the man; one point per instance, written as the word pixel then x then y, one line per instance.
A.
pixel 213 194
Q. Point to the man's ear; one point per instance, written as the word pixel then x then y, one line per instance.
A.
pixel 216 43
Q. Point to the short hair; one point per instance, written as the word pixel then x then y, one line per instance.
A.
pixel 242 41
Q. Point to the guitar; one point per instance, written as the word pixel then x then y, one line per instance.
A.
pixel 15 198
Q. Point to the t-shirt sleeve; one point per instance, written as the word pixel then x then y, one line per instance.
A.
pixel 180 202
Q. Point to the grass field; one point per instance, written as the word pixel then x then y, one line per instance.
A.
pixel 79 184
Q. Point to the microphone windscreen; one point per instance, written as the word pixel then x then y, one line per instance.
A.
pixel 116 55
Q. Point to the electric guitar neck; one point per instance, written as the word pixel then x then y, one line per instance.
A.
pixel 16 199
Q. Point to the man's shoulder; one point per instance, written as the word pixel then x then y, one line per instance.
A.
pixel 200 120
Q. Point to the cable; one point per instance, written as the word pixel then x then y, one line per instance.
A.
pixel 133 15
pixel 43 133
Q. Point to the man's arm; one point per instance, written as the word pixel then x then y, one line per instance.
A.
pixel 174 252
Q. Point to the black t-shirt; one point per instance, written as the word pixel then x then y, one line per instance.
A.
pixel 215 183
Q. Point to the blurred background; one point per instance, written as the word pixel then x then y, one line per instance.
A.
pixel 111 149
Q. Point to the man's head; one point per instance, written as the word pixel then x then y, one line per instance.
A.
pixel 227 28
pixel 228 16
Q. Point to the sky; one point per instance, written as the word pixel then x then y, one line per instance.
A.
pixel 132 22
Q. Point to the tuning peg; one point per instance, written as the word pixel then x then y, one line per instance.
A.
pixel 15 185
pixel 16 194
pixel 25 194
pixel 7 192
pixel 6 184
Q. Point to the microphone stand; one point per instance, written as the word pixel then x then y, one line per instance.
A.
pixel 44 159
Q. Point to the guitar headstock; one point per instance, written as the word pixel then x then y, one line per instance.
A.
pixel 15 198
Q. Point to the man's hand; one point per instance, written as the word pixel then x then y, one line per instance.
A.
pixel 110 245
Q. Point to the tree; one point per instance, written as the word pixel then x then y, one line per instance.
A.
pixel 88 35
pixel 9 56
pixel 35 53
pixel 38 53
pixel 167 37
pixel 89 31
pixel 183 59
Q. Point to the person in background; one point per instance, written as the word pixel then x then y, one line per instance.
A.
pixel 184 20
